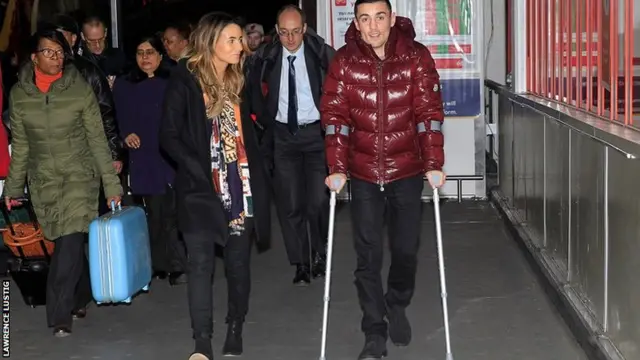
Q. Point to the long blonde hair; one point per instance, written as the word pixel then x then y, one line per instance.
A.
pixel 200 53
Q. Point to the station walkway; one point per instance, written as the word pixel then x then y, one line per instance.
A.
pixel 498 309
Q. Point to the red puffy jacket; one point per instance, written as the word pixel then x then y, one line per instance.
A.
pixel 382 118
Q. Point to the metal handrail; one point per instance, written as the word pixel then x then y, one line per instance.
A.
pixel 561 115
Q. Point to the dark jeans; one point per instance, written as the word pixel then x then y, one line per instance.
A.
pixel 301 196
pixel 68 284
pixel 201 266
pixel 403 199
pixel 168 251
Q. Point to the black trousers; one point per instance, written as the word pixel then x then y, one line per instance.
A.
pixel 201 266
pixel 68 284
pixel 168 251
pixel 404 207
pixel 302 197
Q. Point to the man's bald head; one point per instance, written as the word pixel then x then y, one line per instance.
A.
pixel 291 26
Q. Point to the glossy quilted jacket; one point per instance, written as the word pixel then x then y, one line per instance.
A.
pixel 382 117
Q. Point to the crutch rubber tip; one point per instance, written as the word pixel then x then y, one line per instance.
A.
pixel 449 356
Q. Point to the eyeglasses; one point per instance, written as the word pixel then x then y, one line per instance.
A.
pixel 95 42
pixel 287 33
pixel 147 53
pixel 50 53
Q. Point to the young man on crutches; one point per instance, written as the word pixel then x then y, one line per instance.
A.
pixel 382 114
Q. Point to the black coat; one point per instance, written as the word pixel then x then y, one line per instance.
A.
pixel 98 82
pixel 185 134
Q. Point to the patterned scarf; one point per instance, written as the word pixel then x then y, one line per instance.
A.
pixel 230 169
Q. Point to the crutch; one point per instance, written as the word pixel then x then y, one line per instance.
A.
pixel 443 281
pixel 327 281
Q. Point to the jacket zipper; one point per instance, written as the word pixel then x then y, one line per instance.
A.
pixel 381 130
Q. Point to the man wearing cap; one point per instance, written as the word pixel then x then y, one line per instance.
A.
pixel 255 35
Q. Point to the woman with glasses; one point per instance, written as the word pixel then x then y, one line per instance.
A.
pixel 60 148
pixel 138 97
pixel 221 184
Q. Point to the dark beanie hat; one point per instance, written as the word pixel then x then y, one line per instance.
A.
pixel 65 23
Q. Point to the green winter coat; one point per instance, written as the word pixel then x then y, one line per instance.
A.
pixel 59 146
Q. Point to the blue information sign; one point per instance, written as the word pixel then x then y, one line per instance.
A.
pixel 461 97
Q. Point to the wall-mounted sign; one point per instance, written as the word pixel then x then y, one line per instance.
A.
pixel 450 30
pixel 341 17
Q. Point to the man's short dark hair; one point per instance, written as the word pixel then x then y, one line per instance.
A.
pixel 292 7
pixel 360 2
pixel 182 28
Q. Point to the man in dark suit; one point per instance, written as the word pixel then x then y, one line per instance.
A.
pixel 285 83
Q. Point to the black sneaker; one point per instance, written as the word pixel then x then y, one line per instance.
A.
pixel 178 278
pixel 303 275
pixel 375 348
pixel 399 327
pixel 319 266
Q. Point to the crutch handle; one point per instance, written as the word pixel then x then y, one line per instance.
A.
pixel 436 178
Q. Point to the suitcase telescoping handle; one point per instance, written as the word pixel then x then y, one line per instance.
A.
pixel 115 207
pixel 32 215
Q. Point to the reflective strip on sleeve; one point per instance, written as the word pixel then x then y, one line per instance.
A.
pixel 331 130
pixel 435 125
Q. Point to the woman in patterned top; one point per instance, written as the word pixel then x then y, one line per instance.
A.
pixel 221 184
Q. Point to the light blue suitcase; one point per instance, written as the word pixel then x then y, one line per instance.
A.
pixel 119 255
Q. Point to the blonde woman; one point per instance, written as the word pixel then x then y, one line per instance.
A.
pixel 221 185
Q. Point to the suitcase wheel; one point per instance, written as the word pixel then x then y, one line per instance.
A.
pixel 37 266
pixel 145 288
pixel 127 300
